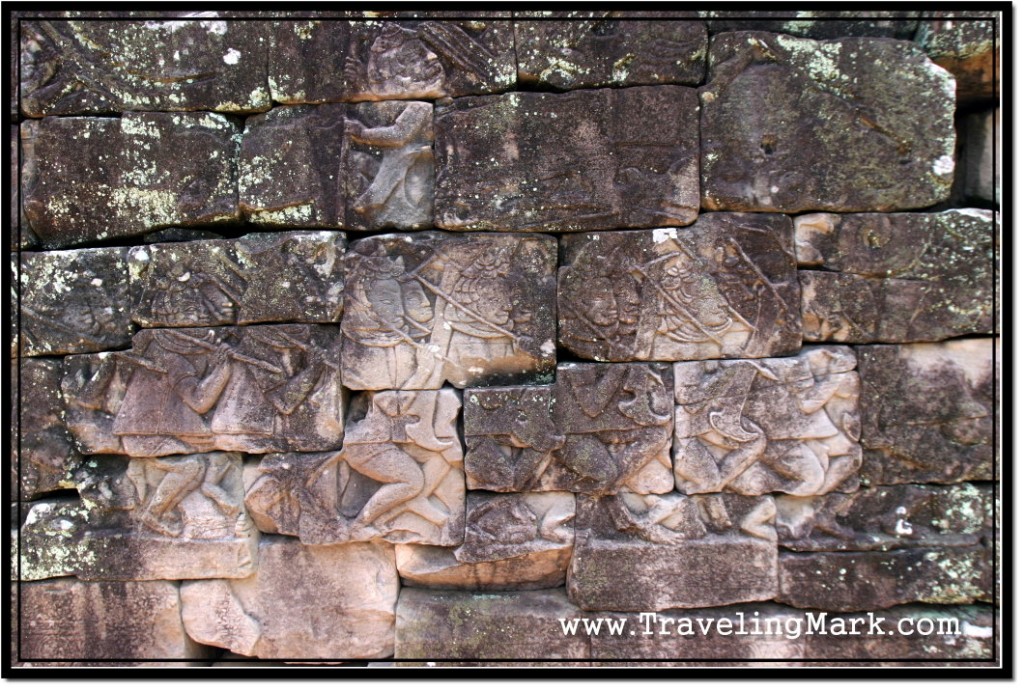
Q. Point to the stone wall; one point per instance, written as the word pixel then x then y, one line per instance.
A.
pixel 465 340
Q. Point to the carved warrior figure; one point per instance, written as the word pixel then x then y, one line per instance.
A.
pixel 673 519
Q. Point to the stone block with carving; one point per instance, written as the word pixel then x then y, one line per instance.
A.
pixel 144 519
pixel 261 277
pixel 256 389
pixel 361 166
pixel 884 518
pixel 74 301
pixel 600 48
pixel 897 277
pixel 584 160
pixel 303 602
pixel 791 124
pixel 433 307
pixel 787 425
pixel 638 553
pixel 399 477
pixel 98 67
pixel 927 412
pixel 723 287
pixel 326 60
pixel 92 179
pixel 601 428
pixel 969 49
pixel 70 620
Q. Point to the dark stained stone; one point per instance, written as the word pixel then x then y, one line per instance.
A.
pixel 980 159
pixel 641 553
pixel 356 166
pixel 261 277
pixel 91 179
pixel 585 160
pixel 74 301
pixel 723 287
pixel 792 124
pixel 470 309
pixel 326 60
pixel 819 24
pixel 21 235
pixel 927 412
pixel 863 581
pixel 93 388
pixel 94 67
pixel 590 49
pixel 969 49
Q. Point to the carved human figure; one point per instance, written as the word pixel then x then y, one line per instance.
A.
pixel 184 296
pixel 182 476
pixel 400 63
pixel 673 519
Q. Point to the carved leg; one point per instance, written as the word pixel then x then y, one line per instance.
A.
pixel 399 472
pixel 183 476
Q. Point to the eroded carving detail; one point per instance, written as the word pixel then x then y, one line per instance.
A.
pixel 505 526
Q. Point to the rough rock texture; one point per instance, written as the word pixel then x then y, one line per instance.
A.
pixel 819 24
pixel 21 236
pixel 360 167
pixel 585 160
pixel 773 425
pixel 75 301
pixel 256 389
pixel 262 277
pixel 438 568
pixel 927 412
pixel 399 477
pixel 601 428
pixel 861 581
pixel 724 287
pixel 883 518
pixel 592 48
pixel 969 49
pixel 322 60
pixel 99 67
pixel 470 309
pixel 303 602
pixel 640 553
pixel 144 519
pixel 792 124
pixel 43 456
pixel 67 619
pixel 897 278
pixel 89 179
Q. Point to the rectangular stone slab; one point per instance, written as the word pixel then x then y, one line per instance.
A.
pixel 261 277
pixel 787 425
pixel 723 287
pixel 91 179
pixel 438 568
pixel 98 67
pixel 433 307
pixel 791 124
pixel 584 160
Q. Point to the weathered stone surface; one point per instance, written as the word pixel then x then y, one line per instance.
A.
pixel 75 301
pixel 89 179
pixel 322 60
pixel 792 124
pixel 470 309
pixel 399 477
pixel 601 428
pixel 862 581
pixel 590 48
pixel 262 277
pixel 980 158
pixel 724 287
pixel 819 24
pixel 927 412
pixel 897 277
pixel 586 160
pixel 883 518
pixel 21 235
pixel 438 567
pixel 257 389
pixel 86 67
pixel 144 519
pixel 43 457
pixel 473 626
pixel 360 167
pixel 774 425
pixel 969 49
pixel 637 553
pixel 303 602
pixel 67 619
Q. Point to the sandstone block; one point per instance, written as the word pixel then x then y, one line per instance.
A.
pixel 724 287
pixel 586 160
pixel 790 124
pixel 470 309
pixel 981 158
pixel 438 568
pixel 969 49
pixel 818 24
pixel 90 179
